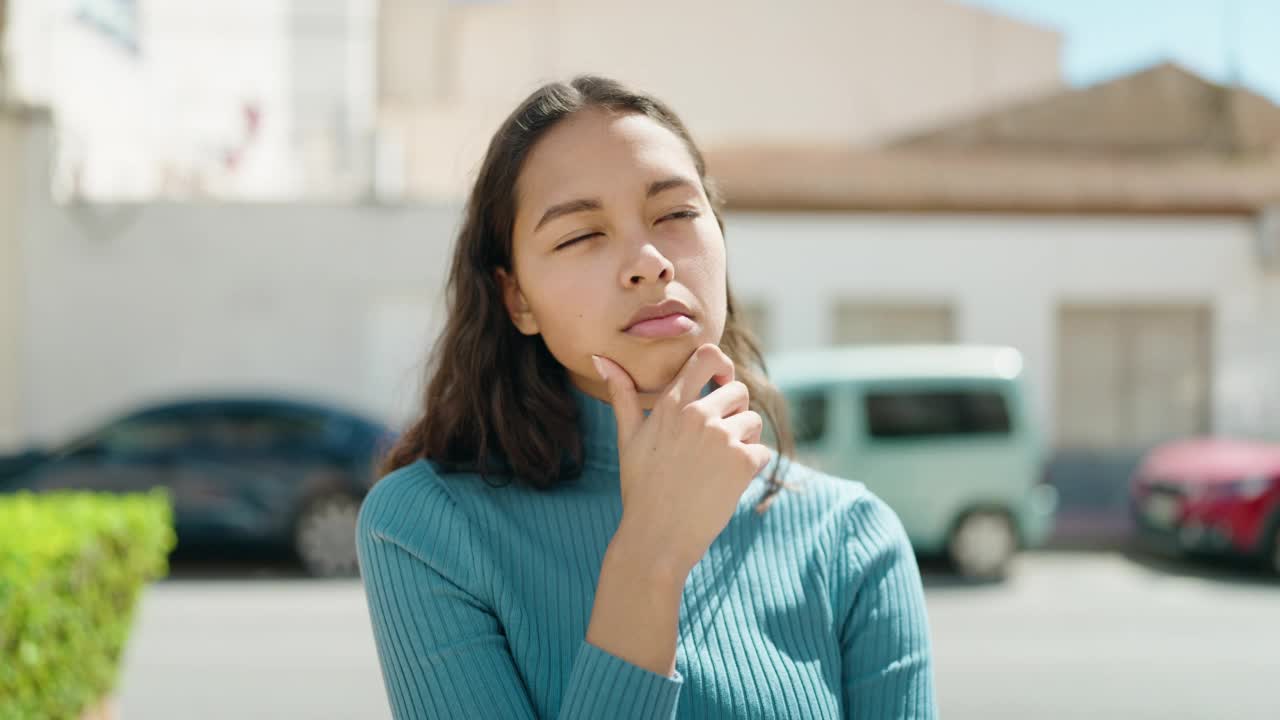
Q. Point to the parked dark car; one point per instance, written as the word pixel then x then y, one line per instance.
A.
pixel 1210 496
pixel 241 471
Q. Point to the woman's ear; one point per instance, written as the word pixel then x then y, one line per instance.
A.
pixel 517 307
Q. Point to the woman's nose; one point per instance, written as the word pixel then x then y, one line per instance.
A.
pixel 648 265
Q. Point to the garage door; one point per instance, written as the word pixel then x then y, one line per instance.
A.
pixel 1129 377
pixel 861 323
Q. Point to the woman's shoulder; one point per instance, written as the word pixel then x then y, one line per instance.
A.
pixel 412 506
pixel 854 509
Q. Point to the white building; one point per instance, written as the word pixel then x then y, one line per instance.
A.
pixel 242 99
pixel 839 73
pixel 1122 236
pixel 1143 292
pixel 341 99
pixel 21 158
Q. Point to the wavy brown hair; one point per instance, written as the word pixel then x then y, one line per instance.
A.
pixel 497 401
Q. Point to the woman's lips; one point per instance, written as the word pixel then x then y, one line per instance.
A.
pixel 666 326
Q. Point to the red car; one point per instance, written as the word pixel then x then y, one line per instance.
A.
pixel 1211 496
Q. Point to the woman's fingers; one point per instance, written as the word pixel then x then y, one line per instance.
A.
pixel 745 427
pixel 760 456
pixel 726 400
pixel 705 363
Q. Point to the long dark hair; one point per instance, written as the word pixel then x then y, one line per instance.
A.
pixel 497 401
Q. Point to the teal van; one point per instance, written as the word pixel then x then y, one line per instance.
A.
pixel 941 433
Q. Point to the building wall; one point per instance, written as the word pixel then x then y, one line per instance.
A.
pixel 162 110
pixel 330 55
pixel 1006 278
pixel 813 71
pixel 128 303
pixel 162 119
pixel 11 311
pixel 137 303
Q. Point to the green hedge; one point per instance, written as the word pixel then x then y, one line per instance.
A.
pixel 72 565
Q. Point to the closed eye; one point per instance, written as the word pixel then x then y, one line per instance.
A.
pixel 678 215
pixel 572 241
pixel 682 214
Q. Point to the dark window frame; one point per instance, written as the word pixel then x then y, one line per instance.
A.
pixel 235 428
pixel 804 430
pixel 107 442
pixel 944 412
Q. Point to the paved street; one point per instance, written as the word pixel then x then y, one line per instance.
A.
pixel 258 648
pixel 1072 635
pixel 1100 636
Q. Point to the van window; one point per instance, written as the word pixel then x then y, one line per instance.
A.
pixel 931 414
pixel 808 415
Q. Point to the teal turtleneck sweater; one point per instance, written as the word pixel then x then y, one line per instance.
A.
pixel 480 599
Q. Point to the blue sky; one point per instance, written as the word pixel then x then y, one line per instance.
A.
pixel 1106 38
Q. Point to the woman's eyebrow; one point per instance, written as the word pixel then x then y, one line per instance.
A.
pixel 659 186
pixel 567 208
pixel 584 204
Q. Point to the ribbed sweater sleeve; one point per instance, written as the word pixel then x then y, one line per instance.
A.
pixel 442 650
pixel 887 669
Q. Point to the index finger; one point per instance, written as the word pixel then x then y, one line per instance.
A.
pixel 706 363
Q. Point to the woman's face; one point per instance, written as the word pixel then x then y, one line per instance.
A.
pixel 612 220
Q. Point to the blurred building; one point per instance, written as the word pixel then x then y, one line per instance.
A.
pixel 14 195
pixel 396 99
pixel 121 304
pixel 1123 236
pixel 836 73
pixel 239 99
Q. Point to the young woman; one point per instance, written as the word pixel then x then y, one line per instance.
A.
pixel 585 521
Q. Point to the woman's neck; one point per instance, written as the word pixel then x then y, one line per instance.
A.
pixel 598 390
pixel 598 427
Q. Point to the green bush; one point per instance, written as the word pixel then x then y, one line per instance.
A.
pixel 72 565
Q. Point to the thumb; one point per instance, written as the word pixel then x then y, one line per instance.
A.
pixel 622 394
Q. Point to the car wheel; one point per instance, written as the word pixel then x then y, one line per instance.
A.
pixel 982 544
pixel 325 536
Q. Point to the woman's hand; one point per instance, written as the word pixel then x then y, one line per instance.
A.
pixel 685 466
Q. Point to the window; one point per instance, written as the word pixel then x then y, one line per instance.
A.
pixel 925 414
pixel 155 434
pixel 117 19
pixel 250 430
pixel 808 415
pixel 1131 376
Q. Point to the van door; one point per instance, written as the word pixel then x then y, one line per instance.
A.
pixel 932 448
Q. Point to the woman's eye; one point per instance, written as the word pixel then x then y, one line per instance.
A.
pixel 572 241
pixel 679 215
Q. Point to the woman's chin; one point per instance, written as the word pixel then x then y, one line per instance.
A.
pixel 654 370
